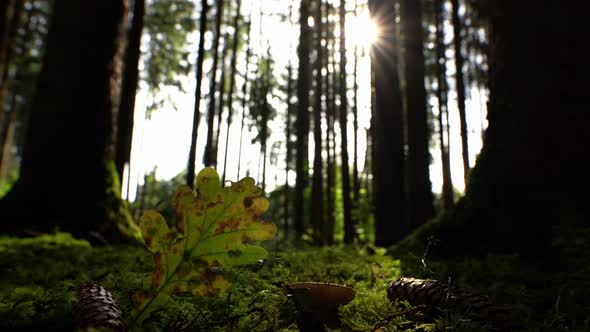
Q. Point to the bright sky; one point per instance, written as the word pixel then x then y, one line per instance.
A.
pixel 163 141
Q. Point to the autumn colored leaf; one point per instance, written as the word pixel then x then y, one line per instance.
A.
pixel 217 226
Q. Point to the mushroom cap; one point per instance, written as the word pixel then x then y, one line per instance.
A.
pixel 320 296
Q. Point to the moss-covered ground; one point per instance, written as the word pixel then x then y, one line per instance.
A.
pixel 39 277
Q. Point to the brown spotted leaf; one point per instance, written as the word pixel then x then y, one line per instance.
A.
pixel 218 227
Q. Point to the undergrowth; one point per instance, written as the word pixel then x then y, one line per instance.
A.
pixel 40 276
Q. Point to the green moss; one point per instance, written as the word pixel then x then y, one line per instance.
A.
pixel 40 276
pixel 117 211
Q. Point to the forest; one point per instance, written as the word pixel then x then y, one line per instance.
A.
pixel 284 165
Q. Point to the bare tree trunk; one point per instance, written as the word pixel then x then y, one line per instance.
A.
pixel 460 87
pixel 232 83
pixel 209 157
pixel 286 201
pixel 349 231
pixel 302 122
pixel 419 187
pixel 441 94
pixel 387 148
pixel 244 93
pixel 129 87
pixel 190 175
pixel 11 12
pixel 330 116
pixel 356 185
pixel 222 78
pixel 317 197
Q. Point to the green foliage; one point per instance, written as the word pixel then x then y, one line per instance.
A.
pixel 216 228
pixel 168 25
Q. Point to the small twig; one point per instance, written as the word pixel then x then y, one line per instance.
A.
pixel 388 319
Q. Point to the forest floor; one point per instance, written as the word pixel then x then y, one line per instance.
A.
pixel 40 275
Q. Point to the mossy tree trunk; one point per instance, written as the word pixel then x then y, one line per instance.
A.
pixel 528 178
pixel 68 177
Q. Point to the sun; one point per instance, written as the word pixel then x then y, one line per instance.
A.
pixel 362 31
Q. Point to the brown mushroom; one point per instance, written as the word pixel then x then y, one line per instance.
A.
pixel 318 303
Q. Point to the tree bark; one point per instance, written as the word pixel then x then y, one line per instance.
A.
pixel 11 13
pixel 302 122
pixel 460 86
pixel 129 87
pixel 526 181
pixel 442 94
pixel 190 175
pixel 222 93
pixel 349 231
pixel 209 157
pixel 232 83
pixel 317 197
pixel 67 172
pixel 244 94
pixel 387 128
pixel 418 185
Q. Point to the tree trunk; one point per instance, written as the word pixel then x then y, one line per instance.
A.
pixel 190 175
pixel 244 94
pixel 330 85
pixel 356 188
pixel 460 86
pixel 441 94
pixel 356 184
pixel 419 188
pixel 232 83
pixel 387 129
pixel 527 178
pixel 349 231
pixel 209 157
pixel 7 140
pixel 222 93
pixel 129 87
pixel 11 12
pixel 81 71
pixel 317 197
pixel 302 122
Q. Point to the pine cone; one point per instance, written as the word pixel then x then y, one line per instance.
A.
pixel 441 295
pixel 96 308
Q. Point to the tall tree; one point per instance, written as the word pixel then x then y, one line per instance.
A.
pixel 222 84
pixel 356 185
pixel 387 128
pixel 10 17
pixel 244 92
pixel 288 144
pixel 232 83
pixel 441 94
pixel 330 87
pixel 129 87
pixel 317 196
pixel 29 47
pixel 460 83
pixel 81 71
pixel 349 231
pixel 525 185
pixel 419 189
pixel 210 157
pixel 302 122
pixel 190 176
